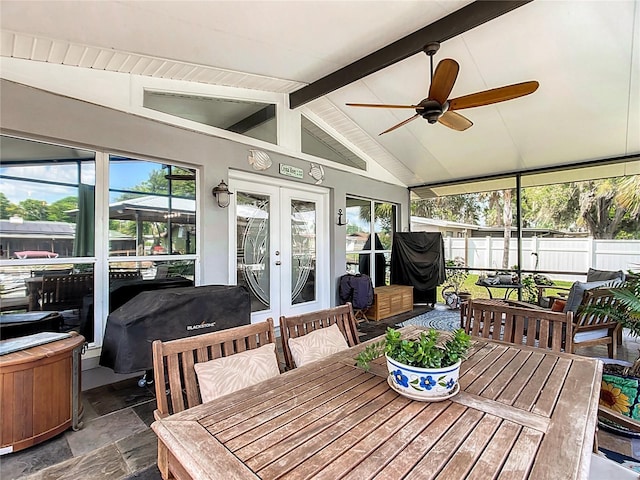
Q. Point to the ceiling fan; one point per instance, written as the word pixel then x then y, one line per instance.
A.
pixel 438 108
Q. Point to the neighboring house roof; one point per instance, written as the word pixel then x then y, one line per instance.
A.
pixel 44 228
pixel 26 229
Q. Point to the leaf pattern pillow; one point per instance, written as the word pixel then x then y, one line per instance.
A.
pixel 317 345
pixel 225 375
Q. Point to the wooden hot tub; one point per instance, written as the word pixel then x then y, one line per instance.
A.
pixel 40 393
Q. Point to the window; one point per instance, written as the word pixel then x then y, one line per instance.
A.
pixel 47 225
pixel 252 119
pixel 47 200
pixel 571 220
pixel 151 208
pixel 370 229
pixel 152 222
pixel 319 143
pixel 50 256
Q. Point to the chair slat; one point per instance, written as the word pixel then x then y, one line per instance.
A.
pixel 175 383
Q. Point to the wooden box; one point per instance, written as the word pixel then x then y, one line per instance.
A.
pixel 390 300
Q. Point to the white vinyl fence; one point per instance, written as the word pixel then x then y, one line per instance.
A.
pixel 553 254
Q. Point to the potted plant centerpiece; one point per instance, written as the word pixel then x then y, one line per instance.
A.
pixel 422 368
pixel 452 291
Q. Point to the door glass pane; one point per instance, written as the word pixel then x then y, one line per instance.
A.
pixel 252 227
pixel 358 230
pixel 303 251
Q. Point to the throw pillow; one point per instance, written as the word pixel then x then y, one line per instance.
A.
pixel 225 375
pixel 594 275
pixel 317 345
pixel 558 305
pixel 577 292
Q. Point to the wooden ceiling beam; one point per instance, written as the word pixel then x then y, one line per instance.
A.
pixel 456 23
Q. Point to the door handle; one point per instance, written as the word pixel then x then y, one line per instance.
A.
pixel 278 262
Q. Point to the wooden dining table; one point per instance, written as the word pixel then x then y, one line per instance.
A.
pixel 521 413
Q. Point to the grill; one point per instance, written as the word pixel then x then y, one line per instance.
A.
pixel 166 315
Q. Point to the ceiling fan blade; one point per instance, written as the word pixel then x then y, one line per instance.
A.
pixel 443 80
pixel 455 121
pixel 378 105
pixel 417 115
pixel 494 95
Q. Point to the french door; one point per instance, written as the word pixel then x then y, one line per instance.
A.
pixel 280 245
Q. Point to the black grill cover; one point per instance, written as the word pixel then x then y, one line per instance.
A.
pixel 417 259
pixel 167 315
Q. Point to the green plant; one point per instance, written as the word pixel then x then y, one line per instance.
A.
pixel 424 352
pixel 626 311
pixel 529 290
pixel 456 276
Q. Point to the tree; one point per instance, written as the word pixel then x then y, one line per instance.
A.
pixel 34 209
pixel 602 205
pixel 56 211
pixel 462 208
pixel 5 206
pixel 507 220
pixel 158 183
pixel 551 206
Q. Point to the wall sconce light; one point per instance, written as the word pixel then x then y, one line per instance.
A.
pixel 340 222
pixel 222 194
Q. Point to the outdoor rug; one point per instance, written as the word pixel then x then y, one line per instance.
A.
pixel 440 318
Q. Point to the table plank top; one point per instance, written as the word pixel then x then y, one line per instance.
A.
pixel 521 413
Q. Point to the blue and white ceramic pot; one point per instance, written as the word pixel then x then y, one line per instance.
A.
pixel 423 383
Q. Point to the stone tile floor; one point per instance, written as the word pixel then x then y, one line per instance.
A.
pixel 117 443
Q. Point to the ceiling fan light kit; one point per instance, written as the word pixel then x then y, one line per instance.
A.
pixel 437 107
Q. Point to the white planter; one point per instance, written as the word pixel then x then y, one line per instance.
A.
pixel 417 383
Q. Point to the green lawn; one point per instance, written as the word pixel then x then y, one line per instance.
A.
pixel 481 292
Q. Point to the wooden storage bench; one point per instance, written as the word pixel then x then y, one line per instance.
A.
pixel 390 300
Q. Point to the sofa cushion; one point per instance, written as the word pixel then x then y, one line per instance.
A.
pixel 225 375
pixel 558 305
pixel 590 335
pixel 577 292
pixel 594 275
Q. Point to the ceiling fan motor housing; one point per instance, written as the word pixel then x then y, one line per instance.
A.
pixel 431 110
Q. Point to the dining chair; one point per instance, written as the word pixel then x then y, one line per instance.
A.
pixel 524 326
pixel 174 374
pixel 174 371
pixel 299 325
pixel 64 292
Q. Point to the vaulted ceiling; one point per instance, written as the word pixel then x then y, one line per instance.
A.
pixel 585 54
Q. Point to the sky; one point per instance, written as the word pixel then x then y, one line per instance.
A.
pixel 123 176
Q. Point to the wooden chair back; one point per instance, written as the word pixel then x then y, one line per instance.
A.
pixel 63 292
pixel 125 275
pixel 524 326
pixel 59 271
pixel 299 325
pixel 175 378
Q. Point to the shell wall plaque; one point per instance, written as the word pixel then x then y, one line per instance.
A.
pixel 317 173
pixel 259 160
